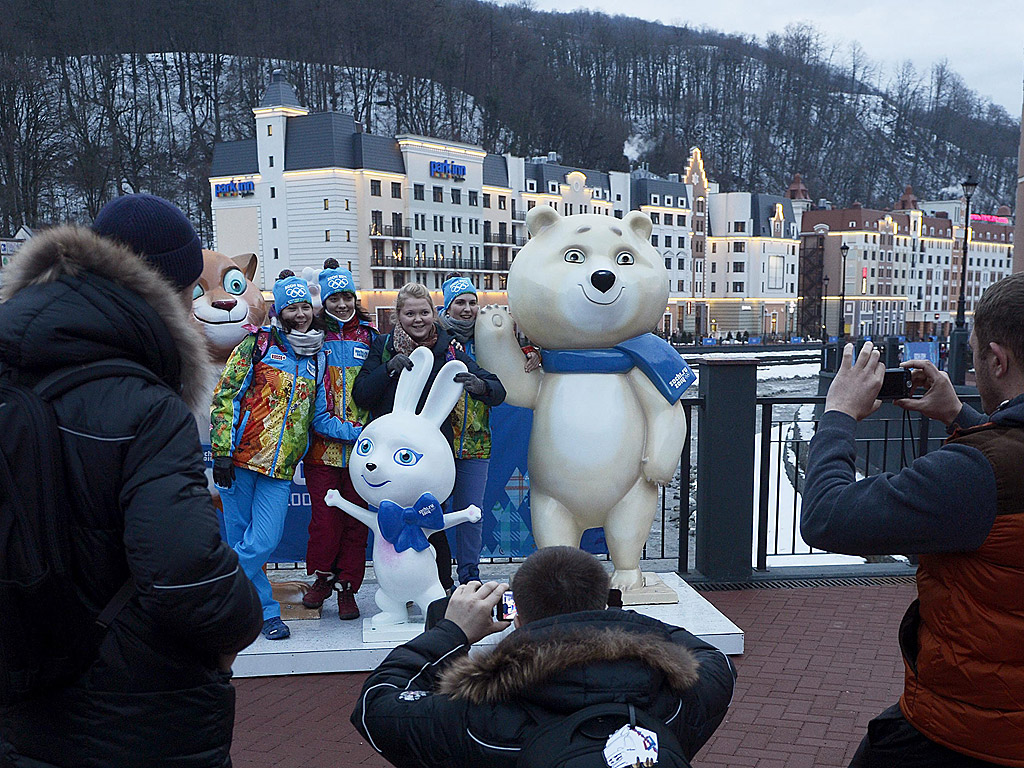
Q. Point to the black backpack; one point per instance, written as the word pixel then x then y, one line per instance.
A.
pixel 578 741
pixel 49 637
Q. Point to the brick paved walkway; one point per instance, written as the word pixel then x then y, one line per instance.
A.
pixel 819 664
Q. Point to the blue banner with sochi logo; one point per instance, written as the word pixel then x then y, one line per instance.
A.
pixel 505 511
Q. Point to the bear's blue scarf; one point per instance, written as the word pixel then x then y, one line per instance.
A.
pixel 654 356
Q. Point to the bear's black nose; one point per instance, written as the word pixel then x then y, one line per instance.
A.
pixel 371 467
pixel 603 280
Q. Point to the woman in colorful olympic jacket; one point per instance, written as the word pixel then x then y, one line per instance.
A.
pixel 336 551
pixel 263 407
pixel 471 439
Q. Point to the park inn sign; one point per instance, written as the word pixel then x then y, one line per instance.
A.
pixel 235 189
pixel 446 170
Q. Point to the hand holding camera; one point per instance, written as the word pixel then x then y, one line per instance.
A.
pixel 940 400
pixel 472 606
pixel 855 388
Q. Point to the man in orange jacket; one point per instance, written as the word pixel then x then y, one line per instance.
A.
pixel 961 508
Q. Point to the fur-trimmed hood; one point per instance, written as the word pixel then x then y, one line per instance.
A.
pixel 558 656
pixel 70 296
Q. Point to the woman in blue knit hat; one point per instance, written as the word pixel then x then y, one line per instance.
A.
pixel 471 424
pixel 263 407
pixel 336 551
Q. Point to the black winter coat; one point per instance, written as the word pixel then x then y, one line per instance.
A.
pixel 375 389
pixel 431 704
pixel 140 508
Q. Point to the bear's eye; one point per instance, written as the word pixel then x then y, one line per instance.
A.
pixel 197 292
pixel 234 282
pixel 407 457
pixel 364 446
pixel 575 257
pixel 625 258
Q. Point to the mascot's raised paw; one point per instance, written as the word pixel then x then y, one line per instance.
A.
pixel 473 514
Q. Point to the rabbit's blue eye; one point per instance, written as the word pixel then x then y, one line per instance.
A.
pixel 364 446
pixel 197 292
pixel 407 457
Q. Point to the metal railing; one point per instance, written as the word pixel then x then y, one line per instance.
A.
pixel 390 231
pixel 887 443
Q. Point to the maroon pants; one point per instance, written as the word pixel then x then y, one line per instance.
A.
pixel 337 542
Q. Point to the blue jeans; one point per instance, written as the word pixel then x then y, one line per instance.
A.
pixel 470 481
pixel 254 510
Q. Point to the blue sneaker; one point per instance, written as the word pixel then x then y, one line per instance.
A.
pixel 275 629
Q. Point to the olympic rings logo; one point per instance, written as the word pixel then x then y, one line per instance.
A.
pixel 295 291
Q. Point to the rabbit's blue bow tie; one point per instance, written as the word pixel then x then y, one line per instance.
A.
pixel 403 526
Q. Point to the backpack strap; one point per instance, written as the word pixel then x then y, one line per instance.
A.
pixel 64 380
pixel 117 602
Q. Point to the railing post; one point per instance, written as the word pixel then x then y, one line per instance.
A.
pixel 725 467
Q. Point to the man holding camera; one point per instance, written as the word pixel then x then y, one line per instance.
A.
pixel 961 508
pixel 430 703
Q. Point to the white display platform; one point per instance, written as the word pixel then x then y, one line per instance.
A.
pixel 331 645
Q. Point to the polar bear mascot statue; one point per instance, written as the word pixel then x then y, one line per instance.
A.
pixel 607 424
pixel 403 467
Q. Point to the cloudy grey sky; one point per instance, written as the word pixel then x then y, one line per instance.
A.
pixel 982 39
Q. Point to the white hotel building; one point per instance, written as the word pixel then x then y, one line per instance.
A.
pixel 411 208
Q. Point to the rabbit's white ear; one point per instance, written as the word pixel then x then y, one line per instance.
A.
pixel 444 393
pixel 411 383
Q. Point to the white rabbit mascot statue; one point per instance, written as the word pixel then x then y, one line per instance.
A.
pixel 403 467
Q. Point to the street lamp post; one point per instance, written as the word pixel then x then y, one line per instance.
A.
pixel 958 338
pixel 824 310
pixel 843 249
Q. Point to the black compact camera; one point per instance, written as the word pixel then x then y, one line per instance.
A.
pixel 506 609
pixel 897 384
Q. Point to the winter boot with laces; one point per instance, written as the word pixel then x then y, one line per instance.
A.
pixel 347 608
pixel 320 590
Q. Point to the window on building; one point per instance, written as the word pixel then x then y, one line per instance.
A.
pixel 738 266
pixel 737 287
pixel 487 200
pixel 270 130
pixel 417 191
pixel 346 203
pixel 668 241
pixel 501 202
pixel 668 201
pixel 438 194
pixel 398 279
pixel 456 196
pixel 668 263
pixel 776 271
pixel 712 282
pixel 378 279
pixel 655 218
pixel 275 253
pixel 473 197
pixel 488 282
pixel 699 205
pixel 679 285
pixel 618 213
pixel 739 247
pixel 271 162
pixel 273 193
pixel 348 235
pixel 668 219
pixel 375 187
pixel 396 190
pixel 739 226
pixel 654 240
pixel 714 265
pixel 531 185
pixel 655 199
pixel 327 204
pixel 327 235
pixel 681 264
pixel 273 223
